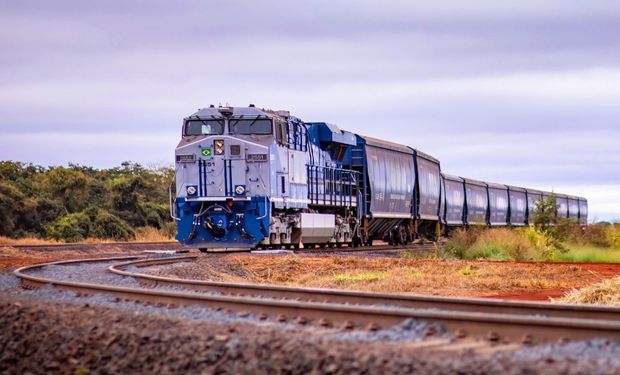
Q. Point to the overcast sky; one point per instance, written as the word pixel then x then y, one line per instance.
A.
pixel 523 92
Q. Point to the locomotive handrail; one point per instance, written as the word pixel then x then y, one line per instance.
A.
pixel 172 204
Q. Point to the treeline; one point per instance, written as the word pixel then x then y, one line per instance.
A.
pixel 77 202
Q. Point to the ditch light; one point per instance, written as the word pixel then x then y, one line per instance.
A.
pixel 219 146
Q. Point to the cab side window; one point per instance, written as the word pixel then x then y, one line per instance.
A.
pixel 281 133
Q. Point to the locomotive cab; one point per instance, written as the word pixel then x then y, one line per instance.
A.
pixel 223 177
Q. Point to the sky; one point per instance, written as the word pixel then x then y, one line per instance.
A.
pixel 518 92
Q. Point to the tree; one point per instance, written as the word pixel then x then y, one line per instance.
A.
pixel 74 227
pixel 107 225
pixel 71 186
pixel 74 202
pixel 545 212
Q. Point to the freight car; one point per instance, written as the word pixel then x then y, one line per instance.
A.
pixel 249 177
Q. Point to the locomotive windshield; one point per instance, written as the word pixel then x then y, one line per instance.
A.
pixel 250 126
pixel 204 127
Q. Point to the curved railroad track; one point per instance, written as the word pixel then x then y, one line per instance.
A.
pixel 365 298
pixel 496 320
pixel 173 245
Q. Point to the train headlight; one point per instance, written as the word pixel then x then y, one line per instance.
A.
pixel 239 190
pixel 219 146
pixel 191 190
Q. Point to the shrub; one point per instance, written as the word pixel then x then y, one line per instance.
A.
pixel 522 244
pixel 600 234
pixel 460 241
pixel 501 244
pixel 107 225
pixel 541 241
pixel 70 228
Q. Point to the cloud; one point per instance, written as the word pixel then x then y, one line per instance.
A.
pixel 524 93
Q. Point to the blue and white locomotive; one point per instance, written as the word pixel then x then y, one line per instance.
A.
pixel 249 177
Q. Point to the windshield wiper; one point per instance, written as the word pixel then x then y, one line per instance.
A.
pixel 231 126
pixel 235 123
pixel 204 122
pixel 219 121
pixel 252 123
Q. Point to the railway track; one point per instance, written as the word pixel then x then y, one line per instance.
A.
pixel 173 245
pixel 363 298
pixel 495 320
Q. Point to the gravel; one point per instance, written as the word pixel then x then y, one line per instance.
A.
pixel 39 338
pixel 8 281
pixel 95 273
pixel 408 331
pixel 603 353
pixel 49 331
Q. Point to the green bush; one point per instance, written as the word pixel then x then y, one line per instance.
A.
pixel 493 244
pixel 604 235
pixel 107 225
pixel 74 227
pixel 41 202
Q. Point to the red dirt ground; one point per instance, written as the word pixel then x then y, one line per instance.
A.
pixel 602 270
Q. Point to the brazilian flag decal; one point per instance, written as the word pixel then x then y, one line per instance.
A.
pixel 206 151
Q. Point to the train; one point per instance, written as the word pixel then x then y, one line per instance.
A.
pixel 249 177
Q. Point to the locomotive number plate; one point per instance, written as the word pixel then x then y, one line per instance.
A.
pixel 257 157
pixel 191 158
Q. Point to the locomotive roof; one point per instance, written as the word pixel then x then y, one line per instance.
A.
pixel 239 111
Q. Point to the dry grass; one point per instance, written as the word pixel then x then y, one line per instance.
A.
pixel 143 234
pixel 150 234
pixel 11 257
pixel 6 241
pixel 606 292
pixel 441 277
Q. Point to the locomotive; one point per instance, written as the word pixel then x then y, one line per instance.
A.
pixel 256 178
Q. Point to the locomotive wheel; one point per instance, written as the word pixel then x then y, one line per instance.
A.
pixel 204 250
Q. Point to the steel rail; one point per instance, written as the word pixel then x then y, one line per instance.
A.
pixel 56 246
pixel 366 298
pixel 93 245
pixel 379 248
pixel 498 326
